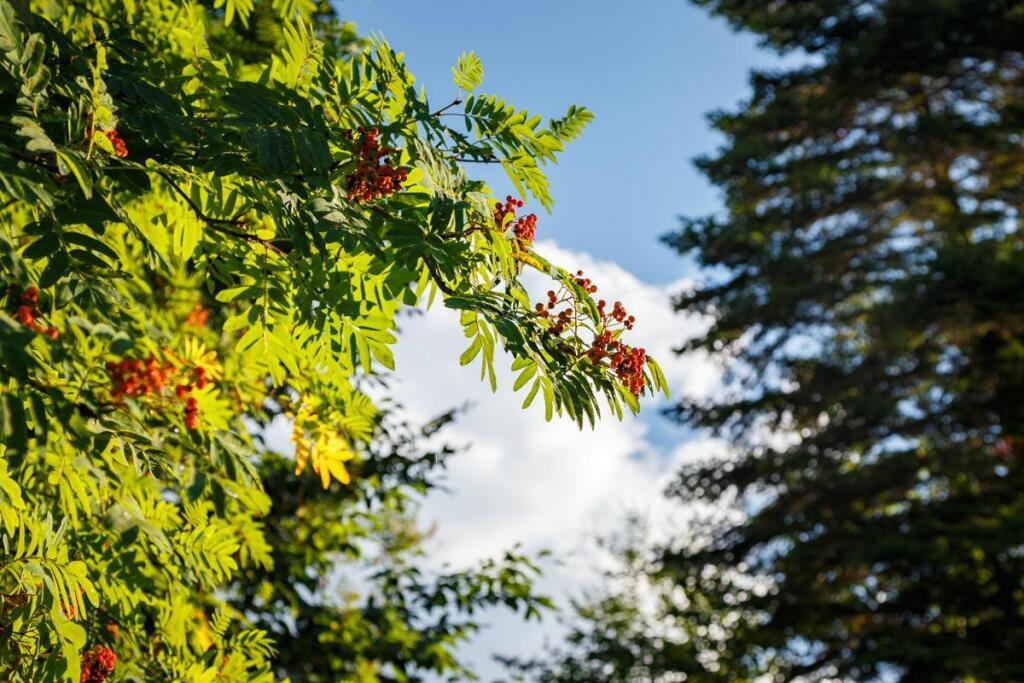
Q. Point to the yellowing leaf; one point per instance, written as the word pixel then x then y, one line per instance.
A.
pixel 316 443
pixel 329 454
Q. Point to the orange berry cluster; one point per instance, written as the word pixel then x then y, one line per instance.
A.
pixel 524 227
pixel 197 316
pixel 625 361
pixel 97 664
pixel 120 149
pixel 150 378
pixel 373 176
pixel 28 311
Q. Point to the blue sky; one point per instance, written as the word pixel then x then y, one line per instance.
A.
pixel 650 71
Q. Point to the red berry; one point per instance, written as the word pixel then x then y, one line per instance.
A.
pixel 97 664
pixel 25 316
pixel 120 149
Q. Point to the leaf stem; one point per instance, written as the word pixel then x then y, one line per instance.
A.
pixel 221 225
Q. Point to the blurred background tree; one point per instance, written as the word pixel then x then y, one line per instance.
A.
pixel 212 215
pixel 866 285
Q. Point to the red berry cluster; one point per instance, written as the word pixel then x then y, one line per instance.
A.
pixel 120 149
pixel 506 209
pixel 584 282
pixel 625 361
pixel 1005 448
pixel 619 314
pixel 182 391
pixel 150 378
pixel 28 311
pixel 97 664
pixel 561 319
pixel 373 176
pixel 134 377
pixel 628 364
pixel 524 227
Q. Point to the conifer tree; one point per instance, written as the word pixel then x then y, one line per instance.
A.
pixel 865 282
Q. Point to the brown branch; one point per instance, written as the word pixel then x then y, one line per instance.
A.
pixel 34 160
pixel 457 101
pixel 469 230
pixel 482 160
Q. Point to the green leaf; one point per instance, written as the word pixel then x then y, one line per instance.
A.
pixel 532 393
pixel 57 268
pixel 524 377
pixel 42 247
pixel 549 398
pixel 70 163
pixel 91 244
pixel 571 126
pixel 470 353
pixel 468 71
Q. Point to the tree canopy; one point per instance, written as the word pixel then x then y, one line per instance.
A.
pixel 211 214
pixel 864 280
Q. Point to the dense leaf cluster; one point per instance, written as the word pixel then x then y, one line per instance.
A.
pixel 176 223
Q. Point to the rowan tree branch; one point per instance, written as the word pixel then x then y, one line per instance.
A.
pixel 221 225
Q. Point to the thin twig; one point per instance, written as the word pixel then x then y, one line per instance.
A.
pixel 482 160
pixel 438 280
pixel 221 224
pixel 435 275
pixel 454 103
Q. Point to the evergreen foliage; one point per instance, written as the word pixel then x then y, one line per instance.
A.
pixel 865 284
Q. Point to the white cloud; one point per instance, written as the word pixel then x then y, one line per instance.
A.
pixel 546 485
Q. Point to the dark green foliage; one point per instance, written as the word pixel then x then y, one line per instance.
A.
pixel 866 283
pixel 874 260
